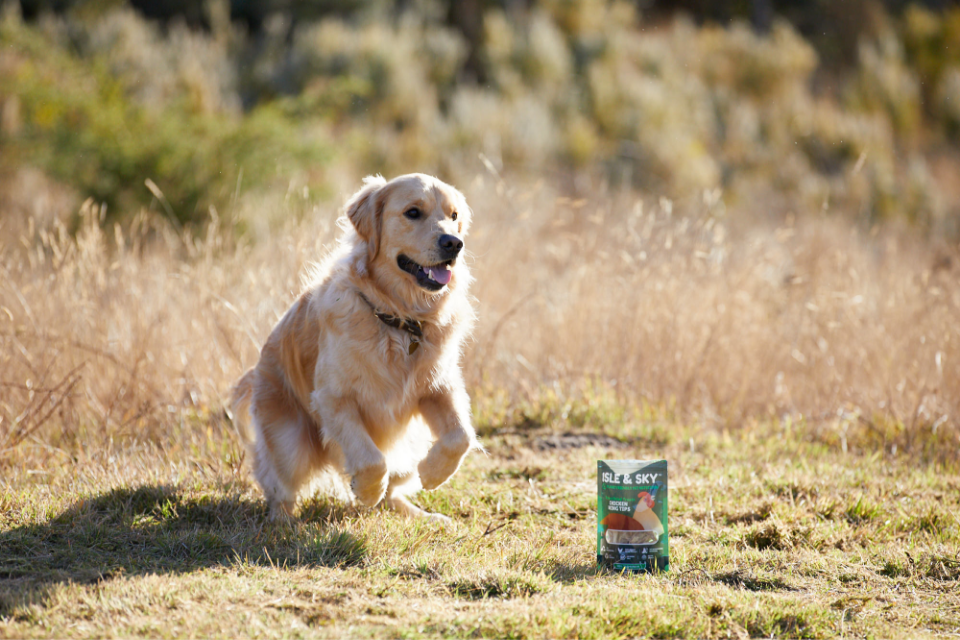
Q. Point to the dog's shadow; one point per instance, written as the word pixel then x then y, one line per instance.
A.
pixel 157 529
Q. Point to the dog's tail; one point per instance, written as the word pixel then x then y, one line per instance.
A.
pixel 239 411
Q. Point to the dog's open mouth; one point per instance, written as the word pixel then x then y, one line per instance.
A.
pixel 432 278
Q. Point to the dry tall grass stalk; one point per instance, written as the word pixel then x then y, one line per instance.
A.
pixel 136 336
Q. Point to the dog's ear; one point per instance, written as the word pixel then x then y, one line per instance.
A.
pixel 365 212
pixel 464 212
pixel 465 220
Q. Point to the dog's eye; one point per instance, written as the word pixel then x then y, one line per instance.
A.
pixel 412 213
pixel 453 216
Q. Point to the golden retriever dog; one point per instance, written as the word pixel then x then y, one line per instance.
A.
pixel 361 376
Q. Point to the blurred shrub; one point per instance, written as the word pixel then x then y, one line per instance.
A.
pixel 760 67
pixel 885 83
pixel 158 70
pixel 932 46
pixel 948 100
pixel 107 123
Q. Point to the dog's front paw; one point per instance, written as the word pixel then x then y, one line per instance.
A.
pixel 369 484
pixel 430 478
pixel 443 460
pixel 437 469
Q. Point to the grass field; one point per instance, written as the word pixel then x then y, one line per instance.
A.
pixel 770 536
pixel 802 379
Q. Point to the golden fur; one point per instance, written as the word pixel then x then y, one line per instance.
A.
pixel 336 389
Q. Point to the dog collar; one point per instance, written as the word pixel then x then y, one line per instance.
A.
pixel 411 326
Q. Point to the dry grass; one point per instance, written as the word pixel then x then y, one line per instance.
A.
pixel 848 335
pixel 818 323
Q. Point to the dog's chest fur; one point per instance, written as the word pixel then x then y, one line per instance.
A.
pixel 390 381
pixel 369 361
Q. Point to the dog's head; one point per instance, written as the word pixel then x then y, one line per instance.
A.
pixel 414 228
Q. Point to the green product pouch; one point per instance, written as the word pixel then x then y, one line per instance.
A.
pixel 632 530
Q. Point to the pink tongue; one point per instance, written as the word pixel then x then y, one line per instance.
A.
pixel 440 275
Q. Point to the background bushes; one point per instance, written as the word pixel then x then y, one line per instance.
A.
pixel 233 99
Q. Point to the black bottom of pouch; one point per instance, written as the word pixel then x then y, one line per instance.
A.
pixel 653 565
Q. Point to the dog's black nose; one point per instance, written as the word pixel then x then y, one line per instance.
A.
pixel 450 245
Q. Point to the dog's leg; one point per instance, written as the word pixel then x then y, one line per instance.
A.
pixel 447 413
pixel 283 459
pixel 396 499
pixel 280 498
pixel 286 449
pixel 362 460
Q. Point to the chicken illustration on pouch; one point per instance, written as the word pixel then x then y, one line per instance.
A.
pixel 644 513
pixel 646 500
